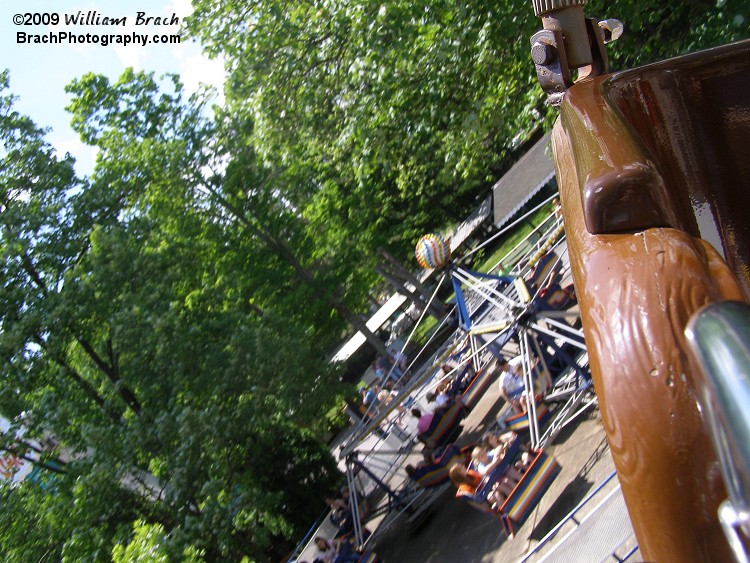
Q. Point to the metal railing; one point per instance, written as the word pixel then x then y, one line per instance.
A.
pixel 719 339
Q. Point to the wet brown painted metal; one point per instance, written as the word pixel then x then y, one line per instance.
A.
pixel 694 118
pixel 666 139
pixel 621 186
pixel 633 151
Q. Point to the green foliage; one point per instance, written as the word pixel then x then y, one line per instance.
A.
pixel 655 31
pixel 392 110
pixel 398 115
pixel 336 418
pixel 128 334
pixel 146 545
pixel 168 318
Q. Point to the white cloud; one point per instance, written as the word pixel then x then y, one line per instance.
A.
pixel 85 155
pixel 196 69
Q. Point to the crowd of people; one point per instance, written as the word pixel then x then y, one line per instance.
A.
pixel 340 548
pixel 485 457
pixel 492 449
pixel 393 366
pixel 390 372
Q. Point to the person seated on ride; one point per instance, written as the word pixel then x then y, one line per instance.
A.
pixel 467 480
pixel 423 420
pixel 342 512
pixel 342 498
pixel 438 411
pixel 336 551
pixel 327 550
pixel 345 526
pixel 492 440
pixel 558 208
pixel 339 506
pixel 512 387
pixel 439 398
pixel 348 554
pixel 428 456
pixel 484 461
pixel 501 443
pixel 443 387
pixel 339 510
pixel 442 426
pixel 459 382
pixel 428 459
pixel 454 379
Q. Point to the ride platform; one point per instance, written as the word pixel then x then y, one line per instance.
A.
pixel 457 532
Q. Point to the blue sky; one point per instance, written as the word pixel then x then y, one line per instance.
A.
pixel 39 72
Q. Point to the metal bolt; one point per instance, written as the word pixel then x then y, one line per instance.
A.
pixel 541 53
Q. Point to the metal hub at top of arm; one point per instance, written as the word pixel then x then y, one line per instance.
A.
pixel 569 42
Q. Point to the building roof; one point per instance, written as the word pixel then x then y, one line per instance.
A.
pixel 374 323
pixel 527 176
pixel 457 238
pixel 467 228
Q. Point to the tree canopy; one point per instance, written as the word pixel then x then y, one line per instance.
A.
pixel 128 335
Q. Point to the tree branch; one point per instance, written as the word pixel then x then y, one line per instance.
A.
pixel 87 388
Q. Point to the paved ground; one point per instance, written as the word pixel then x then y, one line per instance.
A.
pixel 457 533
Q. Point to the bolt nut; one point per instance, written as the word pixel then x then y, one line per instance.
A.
pixel 541 53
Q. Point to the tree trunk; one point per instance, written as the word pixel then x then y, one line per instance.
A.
pixel 285 253
pixel 415 299
pixel 398 277
pixel 403 273
pixel 109 371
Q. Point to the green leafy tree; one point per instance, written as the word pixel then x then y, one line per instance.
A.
pixel 392 108
pixel 403 112
pixel 129 334
pixel 242 191
pixel 656 31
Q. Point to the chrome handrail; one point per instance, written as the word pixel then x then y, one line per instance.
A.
pixel 719 340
